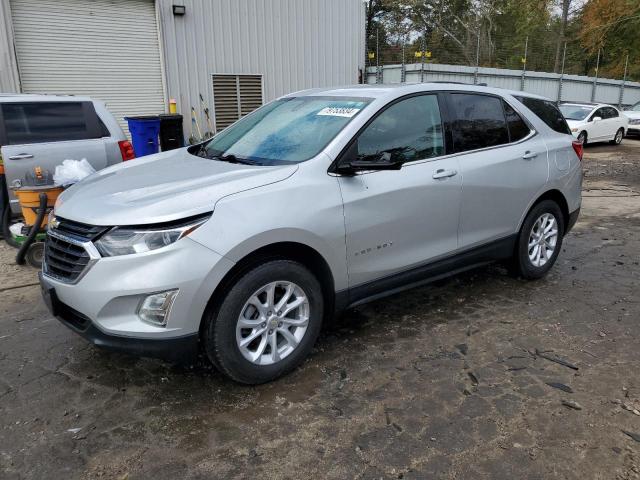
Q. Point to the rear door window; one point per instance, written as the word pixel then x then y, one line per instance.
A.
pixel 548 113
pixel 518 128
pixel 41 122
pixel 408 130
pixel 478 121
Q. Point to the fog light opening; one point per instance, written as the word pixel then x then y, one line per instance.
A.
pixel 154 309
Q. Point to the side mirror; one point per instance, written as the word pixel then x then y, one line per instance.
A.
pixel 351 163
pixel 596 119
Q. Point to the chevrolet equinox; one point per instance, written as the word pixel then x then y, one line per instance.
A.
pixel 241 246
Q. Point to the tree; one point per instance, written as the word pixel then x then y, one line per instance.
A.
pixel 565 5
pixel 612 26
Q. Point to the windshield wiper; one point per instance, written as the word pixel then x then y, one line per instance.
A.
pixel 231 158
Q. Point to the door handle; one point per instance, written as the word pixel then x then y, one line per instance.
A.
pixel 529 155
pixel 442 173
pixel 21 156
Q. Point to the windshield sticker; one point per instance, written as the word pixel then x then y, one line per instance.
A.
pixel 339 111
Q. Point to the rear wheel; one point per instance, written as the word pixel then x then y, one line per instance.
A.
pixel 539 241
pixel 582 138
pixel 617 140
pixel 267 323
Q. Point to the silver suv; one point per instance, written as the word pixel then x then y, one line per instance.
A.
pixel 242 246
pixel 43 130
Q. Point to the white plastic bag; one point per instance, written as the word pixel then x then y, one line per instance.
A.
pixel 72 171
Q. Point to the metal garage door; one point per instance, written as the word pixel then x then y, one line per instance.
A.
pixel 107 49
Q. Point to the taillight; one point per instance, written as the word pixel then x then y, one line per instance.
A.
pixel 126 150
pixel 578 147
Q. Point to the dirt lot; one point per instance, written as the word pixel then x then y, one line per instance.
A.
pixel 447 381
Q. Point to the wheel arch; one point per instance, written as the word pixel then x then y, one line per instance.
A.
pixel 289 250
pixel 558 197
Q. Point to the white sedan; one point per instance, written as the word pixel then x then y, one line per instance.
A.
pixel 634 119
pixel 595 122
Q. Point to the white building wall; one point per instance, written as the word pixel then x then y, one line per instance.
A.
pixel 293 44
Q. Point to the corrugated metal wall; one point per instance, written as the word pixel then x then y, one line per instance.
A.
pixel 575 88
pixel 9 80
pixel 106 49
pixel 293 44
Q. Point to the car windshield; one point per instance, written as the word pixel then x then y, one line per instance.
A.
pixel 636 107
pixel 286 131
pixel 575 112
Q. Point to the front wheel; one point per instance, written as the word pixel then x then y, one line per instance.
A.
pixel 539 241
pixel 267 323
pixel 617 140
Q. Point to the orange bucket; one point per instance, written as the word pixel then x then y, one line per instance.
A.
pixel 30 201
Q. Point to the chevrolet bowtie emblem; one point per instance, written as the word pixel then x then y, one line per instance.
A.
pixel 53 222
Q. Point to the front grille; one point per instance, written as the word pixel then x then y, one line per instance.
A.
pixel 80 231
pixel 65 256
pixel 72 317
pixel 64 260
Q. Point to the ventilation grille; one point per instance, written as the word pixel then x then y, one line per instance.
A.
pixel 234 96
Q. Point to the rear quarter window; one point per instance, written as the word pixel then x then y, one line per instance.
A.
pixel 42 122
pixel 547 112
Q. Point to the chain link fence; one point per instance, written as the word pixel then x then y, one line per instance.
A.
pixel 559 71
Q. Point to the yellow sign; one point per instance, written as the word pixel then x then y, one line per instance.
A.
pixel 524 60
pixel 372 55
pixel 428 54
pixel 418 54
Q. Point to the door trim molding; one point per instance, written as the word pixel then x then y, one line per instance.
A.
pixel 427 273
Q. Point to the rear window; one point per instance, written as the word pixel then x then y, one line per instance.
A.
pixel 479 122
pixel 547 112
pixel 41 122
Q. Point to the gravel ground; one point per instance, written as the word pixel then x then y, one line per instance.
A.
pixel 456 380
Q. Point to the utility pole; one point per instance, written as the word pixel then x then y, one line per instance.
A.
pixel 595 80
pixel 524 63
pixel 475 72
pixel 403 72
pixel 424 53
pixel 378 73
pixel 624 80
pixel 564 56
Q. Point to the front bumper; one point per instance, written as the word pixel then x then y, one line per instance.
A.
pixel 633 130
pixel 179 349
pixel 102 306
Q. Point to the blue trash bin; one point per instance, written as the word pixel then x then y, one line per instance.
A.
pixel 144 134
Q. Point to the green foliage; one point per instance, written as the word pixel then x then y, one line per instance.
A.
pixel 450 30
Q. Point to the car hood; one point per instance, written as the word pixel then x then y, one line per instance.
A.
pixel 632 114
pixel 160 188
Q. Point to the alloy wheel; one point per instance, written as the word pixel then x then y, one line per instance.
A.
pixel 272 322
pixel 543 239
pixel 618 138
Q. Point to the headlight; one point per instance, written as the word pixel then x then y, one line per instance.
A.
pixel 128 240
pixel 635 122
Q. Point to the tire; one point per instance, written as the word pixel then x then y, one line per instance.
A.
pixel 526 266
pixel 35 254
pixel 582 137
pixel 222 334
pixel 617 140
